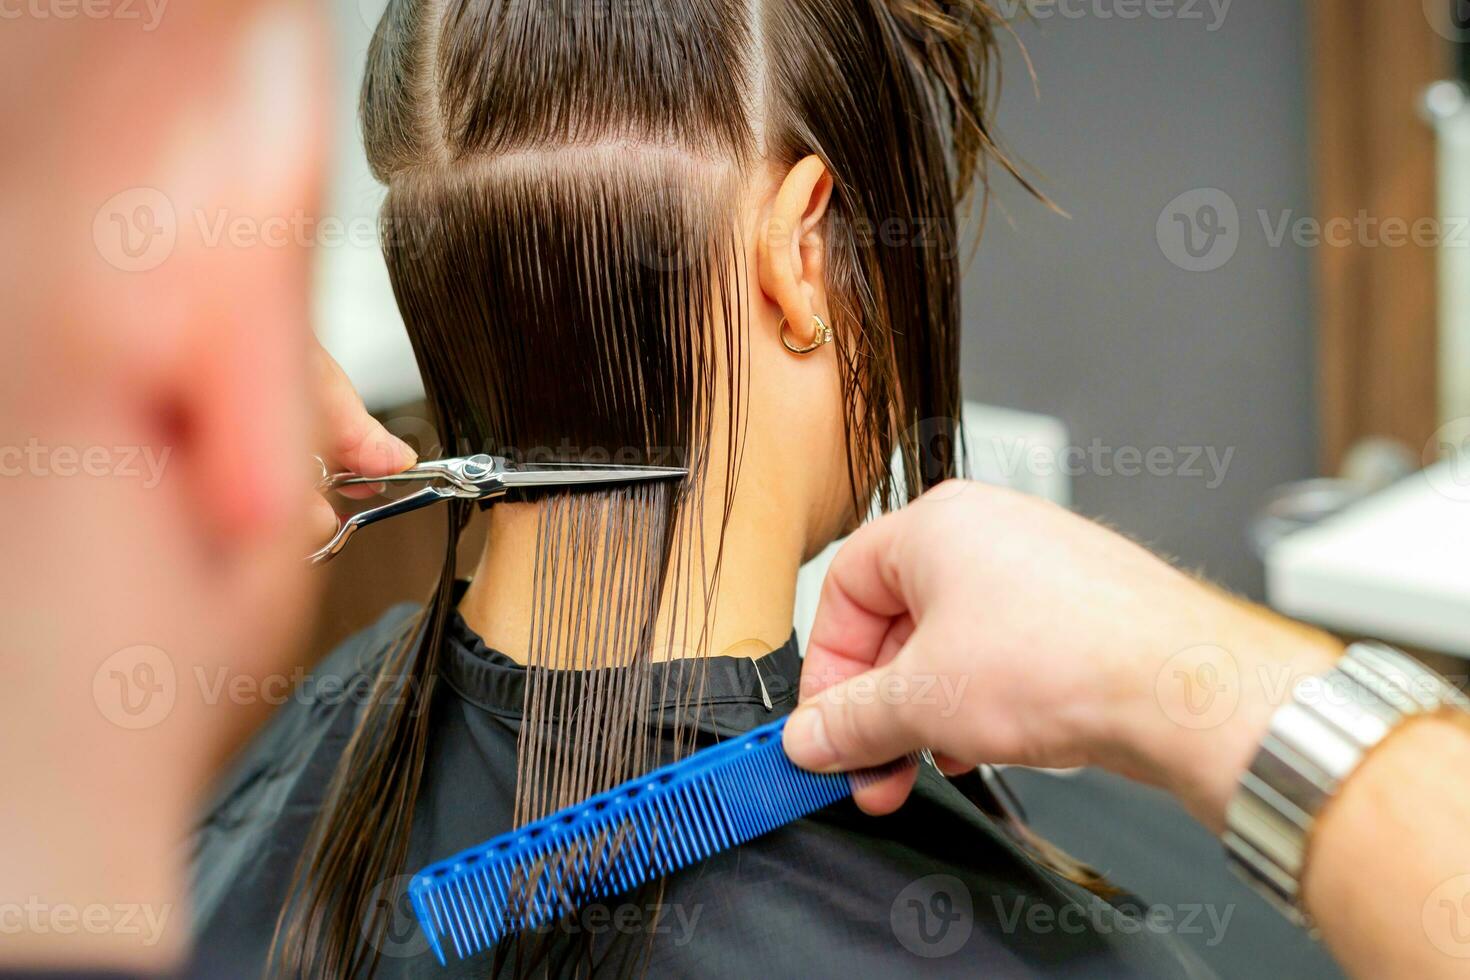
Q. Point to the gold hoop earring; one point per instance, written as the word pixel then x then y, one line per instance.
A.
pixel 821 336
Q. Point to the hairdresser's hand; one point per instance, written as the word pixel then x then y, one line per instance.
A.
pixel 995 627
pixel 350 438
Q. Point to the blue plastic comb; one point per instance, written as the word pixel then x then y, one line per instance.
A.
pixel 717 798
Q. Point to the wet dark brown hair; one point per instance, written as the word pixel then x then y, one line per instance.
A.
pixel 564 179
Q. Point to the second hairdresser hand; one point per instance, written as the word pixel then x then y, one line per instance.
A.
pixel 1064 644
pixel 1052 632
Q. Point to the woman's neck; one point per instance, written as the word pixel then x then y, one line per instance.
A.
pixel 752 604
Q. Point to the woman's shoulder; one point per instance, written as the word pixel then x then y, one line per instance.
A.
pixel 249 833
pixel 938 885
pixel 334 691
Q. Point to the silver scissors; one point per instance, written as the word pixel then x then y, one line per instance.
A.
pixel 481 477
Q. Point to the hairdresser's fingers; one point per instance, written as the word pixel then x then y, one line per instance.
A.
pixel 860 602
pixel 855 724
pixel 866 721
pixel 898 635
pixel 814 681
pixel 888 793
pixel 352 439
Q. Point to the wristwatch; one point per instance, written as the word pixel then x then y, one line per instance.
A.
pixel 1316 740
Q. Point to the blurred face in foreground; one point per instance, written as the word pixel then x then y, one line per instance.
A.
pixel 154 425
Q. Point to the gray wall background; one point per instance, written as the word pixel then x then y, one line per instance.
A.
pixel 1085 318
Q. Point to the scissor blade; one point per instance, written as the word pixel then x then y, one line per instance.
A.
pixel 584 474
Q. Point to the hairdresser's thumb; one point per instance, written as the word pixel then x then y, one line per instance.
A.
pixel 851 726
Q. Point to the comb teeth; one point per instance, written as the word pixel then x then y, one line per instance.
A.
pixel 612 842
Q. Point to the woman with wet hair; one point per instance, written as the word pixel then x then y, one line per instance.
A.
pixel 713 233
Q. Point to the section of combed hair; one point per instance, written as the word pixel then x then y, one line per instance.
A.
pixel 611 280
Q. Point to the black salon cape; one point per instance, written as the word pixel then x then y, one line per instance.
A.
pixel 933 890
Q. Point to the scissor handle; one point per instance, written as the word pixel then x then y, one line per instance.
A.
pixel 414 501
pixel 472 476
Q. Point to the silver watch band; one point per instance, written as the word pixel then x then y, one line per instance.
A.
pixel 1315 741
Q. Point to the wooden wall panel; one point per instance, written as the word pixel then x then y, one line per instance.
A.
pixel 1374 155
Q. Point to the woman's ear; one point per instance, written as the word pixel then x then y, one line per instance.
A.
pixel 791 250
